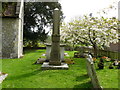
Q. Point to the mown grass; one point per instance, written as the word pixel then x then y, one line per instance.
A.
pixel 22 73
pixel 108 78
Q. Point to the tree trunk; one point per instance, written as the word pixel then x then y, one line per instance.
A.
pixel 95 50
pixel 73 47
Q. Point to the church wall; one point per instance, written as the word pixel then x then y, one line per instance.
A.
pixel 11 31
pixel 10 34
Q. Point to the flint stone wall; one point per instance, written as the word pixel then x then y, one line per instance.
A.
pixel 11 38
pixel 11 33
pixel 0 38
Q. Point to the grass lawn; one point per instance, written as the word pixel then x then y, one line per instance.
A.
pixel 23 74
pixel 108 77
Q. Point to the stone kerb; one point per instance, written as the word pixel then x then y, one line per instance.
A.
pixel 91 72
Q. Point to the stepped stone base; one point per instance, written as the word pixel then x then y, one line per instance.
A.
pixel 46 66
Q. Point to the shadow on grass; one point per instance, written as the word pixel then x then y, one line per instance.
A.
pixel 81 78
pixel 99 69
pixel 24 75
pixel 83 85
pixel 33 50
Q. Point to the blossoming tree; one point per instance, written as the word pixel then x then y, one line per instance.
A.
pixel 93 31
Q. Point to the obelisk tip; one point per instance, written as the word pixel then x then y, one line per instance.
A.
pixel 56 9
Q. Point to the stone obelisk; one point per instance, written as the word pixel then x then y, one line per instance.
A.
pixel 55 49
pixel 54 61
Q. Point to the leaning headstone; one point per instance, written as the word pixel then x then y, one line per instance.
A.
pixel 91 72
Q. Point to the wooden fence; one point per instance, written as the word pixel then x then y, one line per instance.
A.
pixel 110 54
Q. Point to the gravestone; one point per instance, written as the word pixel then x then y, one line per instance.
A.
pixel 91 72
pixel 2 76
pixel 11 32
pixel 55 61
pixel 48 51
pixel 55 49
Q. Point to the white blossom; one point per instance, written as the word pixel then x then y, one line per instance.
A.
pixel 101 31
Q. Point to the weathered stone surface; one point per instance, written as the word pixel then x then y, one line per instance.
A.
pixel 91 72
pixel 0 35
pixel 48 50
pixel 11 35
pixel 55 61
pixel 47 66
pixel 55 53
pixel 10 38
pixel 0 46
pixel 55 48
pixel 2 76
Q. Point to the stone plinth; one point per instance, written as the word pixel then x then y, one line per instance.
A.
pixel 48 50
pixel 46 66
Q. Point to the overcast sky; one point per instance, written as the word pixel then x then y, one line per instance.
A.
pixel 73 8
